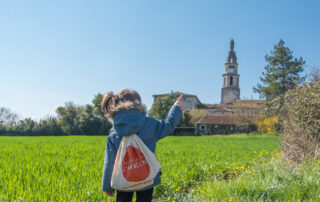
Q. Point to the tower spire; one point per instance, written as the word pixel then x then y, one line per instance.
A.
pixel 231 44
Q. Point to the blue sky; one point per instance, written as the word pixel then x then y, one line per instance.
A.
pixel 52 52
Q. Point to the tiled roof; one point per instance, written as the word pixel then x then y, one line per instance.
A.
pixel 223 119
pixel 213 106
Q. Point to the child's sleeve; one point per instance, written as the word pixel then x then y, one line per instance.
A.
pixel 109 158
pixel 167 126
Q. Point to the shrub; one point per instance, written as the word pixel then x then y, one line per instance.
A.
pixel 301 126
pixel 268 124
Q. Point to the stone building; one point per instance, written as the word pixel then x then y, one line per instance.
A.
pixel 218 120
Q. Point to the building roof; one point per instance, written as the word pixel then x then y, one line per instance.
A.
pixel 223 119
pixel 214 106
pixel 177 94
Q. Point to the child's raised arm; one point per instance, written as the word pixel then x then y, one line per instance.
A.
pixel 167 126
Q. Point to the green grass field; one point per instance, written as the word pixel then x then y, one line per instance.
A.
pixel 211 168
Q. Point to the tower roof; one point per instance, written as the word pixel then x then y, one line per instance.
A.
pixel 232 58
pixel 231 44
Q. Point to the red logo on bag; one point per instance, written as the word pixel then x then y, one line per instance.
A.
pixel 135 167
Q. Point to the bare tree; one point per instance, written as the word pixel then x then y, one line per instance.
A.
pixel 7 117
pixel 314 75
pixel 245 113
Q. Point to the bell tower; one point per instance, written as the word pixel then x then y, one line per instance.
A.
pixel 230 91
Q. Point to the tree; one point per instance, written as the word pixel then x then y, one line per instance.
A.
pixel 282 72
pixel 161 106
pixel 69 118
pixel 104 125
pixel 89 124
pixel 48 126
pixel 7 116
pixel 314 75
pixel 185 119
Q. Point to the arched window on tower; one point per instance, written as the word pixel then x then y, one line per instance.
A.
pixel 231 81
pixel 231 60
pixel 225 81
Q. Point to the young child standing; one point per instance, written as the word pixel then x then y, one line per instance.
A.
pixel 128 116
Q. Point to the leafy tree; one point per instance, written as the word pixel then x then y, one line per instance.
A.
pixel 161 106
pixel 97 106
pixel 185 119
pixel 89 123
pixel 48 126
pixel 104 125
pixel 69 118
pixel 282 72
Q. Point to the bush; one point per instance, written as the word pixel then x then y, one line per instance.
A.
pixel 268 124
pixel 301 126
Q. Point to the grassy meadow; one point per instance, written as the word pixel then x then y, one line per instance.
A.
pixel 209 168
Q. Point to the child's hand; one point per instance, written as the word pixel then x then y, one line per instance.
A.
pixel 179 103
pixel 110 193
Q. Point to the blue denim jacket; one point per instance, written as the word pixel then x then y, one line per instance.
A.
pixel 150 131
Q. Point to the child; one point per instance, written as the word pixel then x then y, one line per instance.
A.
pixel 128 116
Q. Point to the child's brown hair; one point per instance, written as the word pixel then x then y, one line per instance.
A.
pixel 124 99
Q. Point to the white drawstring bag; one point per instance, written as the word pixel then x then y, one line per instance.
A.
pixel 135 166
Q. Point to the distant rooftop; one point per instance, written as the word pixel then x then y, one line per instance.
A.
pixel 176 94
pixel 222 119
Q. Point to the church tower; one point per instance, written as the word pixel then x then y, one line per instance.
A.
pixel 230 91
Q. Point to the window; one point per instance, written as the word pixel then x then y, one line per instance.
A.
pixel 231 69
pixel 231 81
pixel 203 127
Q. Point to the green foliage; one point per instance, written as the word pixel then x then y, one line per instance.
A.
pixel 69 118
pixel 186 119
pixel 282 72
pixel 48 126
pixel 161 106
pixel 268 124
pixel 72 119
